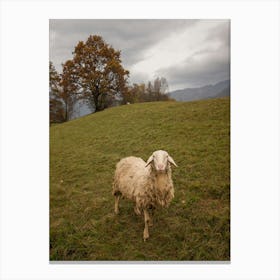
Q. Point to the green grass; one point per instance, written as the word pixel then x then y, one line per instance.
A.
pixel 83 154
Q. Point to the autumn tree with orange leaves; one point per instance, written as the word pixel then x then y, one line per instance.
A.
pixel 97 73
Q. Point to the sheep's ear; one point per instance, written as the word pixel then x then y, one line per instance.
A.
pixel 151 158
pixel 171 160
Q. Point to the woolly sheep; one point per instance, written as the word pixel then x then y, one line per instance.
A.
pixel 148 184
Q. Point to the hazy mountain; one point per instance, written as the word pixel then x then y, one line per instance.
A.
pixel 209 91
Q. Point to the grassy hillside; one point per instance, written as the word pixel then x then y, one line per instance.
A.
pixel 83 154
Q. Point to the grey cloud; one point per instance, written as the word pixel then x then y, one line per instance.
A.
pixel 207 65
pixel 220 33
pixel 209 62
pixel 132 37
pixel 195 73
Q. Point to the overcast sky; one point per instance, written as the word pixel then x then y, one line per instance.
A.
pixel 188 53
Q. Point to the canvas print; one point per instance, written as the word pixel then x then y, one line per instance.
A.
pixel 139 140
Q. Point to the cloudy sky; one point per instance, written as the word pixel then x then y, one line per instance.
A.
pixel 188 53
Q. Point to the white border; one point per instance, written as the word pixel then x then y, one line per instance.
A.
pixel 254 145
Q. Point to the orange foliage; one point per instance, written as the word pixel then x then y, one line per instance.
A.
pixel 98 73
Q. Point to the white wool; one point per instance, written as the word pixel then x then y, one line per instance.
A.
pixel 143 182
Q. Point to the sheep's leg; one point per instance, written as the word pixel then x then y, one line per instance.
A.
pixel 146 229
pixel 137 210
pixel 117 198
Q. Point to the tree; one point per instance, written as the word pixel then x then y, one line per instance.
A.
pixel 56 105
pixel 99 75
pixel 134 94
pixel 69 88
pixel 150 91
pixel 156 91
pixel 54 79
pixel 62 93
pixel 160 89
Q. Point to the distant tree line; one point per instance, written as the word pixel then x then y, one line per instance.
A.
pixel 153 91
pixel 95 76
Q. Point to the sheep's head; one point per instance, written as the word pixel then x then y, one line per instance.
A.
pixel 160 161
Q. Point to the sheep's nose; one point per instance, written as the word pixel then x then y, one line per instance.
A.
pixel 161 167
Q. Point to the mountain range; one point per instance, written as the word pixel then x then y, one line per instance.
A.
pixel 209 91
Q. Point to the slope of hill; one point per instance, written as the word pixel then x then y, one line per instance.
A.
pixel 209 91
pixel 223 93
pixel 83 154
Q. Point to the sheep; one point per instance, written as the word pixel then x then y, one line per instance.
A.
pixel 148 184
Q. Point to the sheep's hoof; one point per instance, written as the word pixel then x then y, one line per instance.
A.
pixel 117 211
pixel 145 236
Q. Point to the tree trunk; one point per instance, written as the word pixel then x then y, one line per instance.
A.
pixel 95 100
pixel 66 112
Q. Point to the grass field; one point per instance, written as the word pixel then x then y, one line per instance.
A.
pixel 83 154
